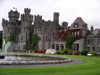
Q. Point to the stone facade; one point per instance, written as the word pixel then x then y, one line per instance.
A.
pixel 24 29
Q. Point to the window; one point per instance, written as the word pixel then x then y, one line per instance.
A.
pixel 77 32
pixel 93 41
pixel 62 46
pixel 98 41
pixel 99 35
pixel 52 46
pixel 88 41
pixel 98 49
pixel 46 38
pixel 75 26
pixel 93 48
pixel 22 37
pixel 57 46
pixel 72 33
pixel 39 38
pixel 8 29
pixel 89 49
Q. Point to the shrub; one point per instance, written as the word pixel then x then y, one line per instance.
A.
pixel 65 50
pixel 76 53
pixel 94 53
pixel 70 52
pixel 36 49
pixel 60 52
pixel 41 51
pixel 84 52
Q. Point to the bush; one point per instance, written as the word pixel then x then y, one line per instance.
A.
pixel 41 51
pixel 65 50
pixel 84 52
pixel 94 53
pixel 60 52
pixel 70 52
pixel 76 53
pixel 36 49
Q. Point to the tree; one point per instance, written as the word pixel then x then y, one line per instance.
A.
pixel 1 39
pixel 35 40
pixel 70 40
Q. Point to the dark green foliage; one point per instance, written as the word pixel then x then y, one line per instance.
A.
pixel 11 38
pixel 94 53
pixel 25 46
pixel 1 38
pixel 35 40
pixel 84 52
pixel 70 40
pixel 60 52
pixel 65 50
pixel 36 49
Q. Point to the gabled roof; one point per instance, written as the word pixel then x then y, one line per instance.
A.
pixel 96 31
pixel 81 24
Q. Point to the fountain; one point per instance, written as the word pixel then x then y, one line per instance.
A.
pixel 6 47
pixel 22 59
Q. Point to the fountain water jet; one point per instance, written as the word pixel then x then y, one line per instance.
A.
pixel 6 47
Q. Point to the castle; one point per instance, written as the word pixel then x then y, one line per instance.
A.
pixel 51 34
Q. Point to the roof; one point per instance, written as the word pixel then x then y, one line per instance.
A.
pixel 81 24
pixel 96 31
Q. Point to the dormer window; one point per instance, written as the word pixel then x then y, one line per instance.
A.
pixel 75 26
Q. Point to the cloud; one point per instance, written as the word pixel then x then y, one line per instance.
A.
pixel 69 9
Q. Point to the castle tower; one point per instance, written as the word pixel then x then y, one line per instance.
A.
pixel 26 26
pixel 56 20
pixel 56 17
pixel 13 16
pixel 9 27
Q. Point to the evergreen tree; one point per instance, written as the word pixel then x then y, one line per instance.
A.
pixel 35 40
pixel 1 39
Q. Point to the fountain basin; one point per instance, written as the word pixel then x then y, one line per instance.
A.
pixel 14 59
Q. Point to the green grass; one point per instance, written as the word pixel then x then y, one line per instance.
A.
pixel 91 66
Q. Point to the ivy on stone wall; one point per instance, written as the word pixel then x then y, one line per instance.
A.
pixel 35 40
pixel 70 40
pixel 25 46
pixel 11 38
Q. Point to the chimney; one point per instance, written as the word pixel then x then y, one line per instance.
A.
pixel 92 28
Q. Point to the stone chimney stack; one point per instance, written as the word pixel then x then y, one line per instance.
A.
pixel 92 28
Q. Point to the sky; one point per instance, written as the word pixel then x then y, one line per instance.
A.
pixel 69 10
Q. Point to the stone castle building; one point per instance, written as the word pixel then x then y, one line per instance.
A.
pixel 51 33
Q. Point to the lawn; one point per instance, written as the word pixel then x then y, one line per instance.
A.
pixel 91 66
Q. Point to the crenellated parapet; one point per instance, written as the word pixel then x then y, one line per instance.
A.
pixel 27 16
pixel 4 22
pixel 13 16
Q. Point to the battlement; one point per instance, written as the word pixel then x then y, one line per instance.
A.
pixel 38 17
pixel 13 14
pixel 56 13
pixel 27 11
pixel 4 22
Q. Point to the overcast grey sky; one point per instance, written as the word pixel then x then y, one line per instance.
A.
pixel 69 10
